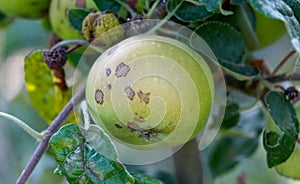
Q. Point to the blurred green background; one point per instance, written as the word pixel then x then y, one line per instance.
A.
pixel 16 147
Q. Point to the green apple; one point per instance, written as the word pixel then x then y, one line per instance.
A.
pixel 25 8
pixel 268 30
pixel 59 17
pixel 102 29
pixel 150 92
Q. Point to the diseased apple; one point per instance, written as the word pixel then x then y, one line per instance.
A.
pixel 150 92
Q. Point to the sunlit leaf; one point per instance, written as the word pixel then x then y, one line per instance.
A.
pixel 284 10
pixel 279 147
pixel 80 162
pixel 47 98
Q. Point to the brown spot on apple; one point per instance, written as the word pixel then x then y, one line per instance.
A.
pixel 133 126
pixel 118 126
pixel 145 97
pixel 129 92
pixel 138 118
pixel 122 70
pixel 108 72
pixel 99 96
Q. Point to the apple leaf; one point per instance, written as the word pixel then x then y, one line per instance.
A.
pixel 188 12
pixel 279 147
pixel 112 5
pixel 228 46
pixel 231 116
pixel 228 151
pixel 284 10
pixel 45 95
pixel 76 17
pixel 236 2
pixel 79 160
pixel 214 6
pixel 144 179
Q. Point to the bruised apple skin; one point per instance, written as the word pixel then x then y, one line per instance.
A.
pixel 31 9
pixel 59 17
pixel 150 92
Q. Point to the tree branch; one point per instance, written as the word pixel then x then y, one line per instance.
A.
pixel 253 88
pixel 57 122
pixel 188 164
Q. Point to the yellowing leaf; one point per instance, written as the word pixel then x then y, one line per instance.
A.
pixel 44 94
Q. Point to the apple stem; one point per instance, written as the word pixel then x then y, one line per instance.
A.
pixel 126 6
pixel 283 62
pixel 68 42
pixel 165 19
pixel 189 157
pixel 85 115
pixel 23 125
pixel 71 49
pixel 152 9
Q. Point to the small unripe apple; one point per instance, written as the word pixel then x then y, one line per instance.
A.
pixel 268 30
pixel 31 9
pixel 102 29
pixel 59 17
pixel 150 92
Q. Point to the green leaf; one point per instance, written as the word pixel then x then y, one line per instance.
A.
pixel 290 168
pixel 80 162
pixel 284 10
pixel 232 115
pixel 228 151
pixel 214 6
pixel 240 71
pixel 236 2
pixel 76 17
pixel 225 41
pixel 112 5
pixel 295 6
pixel 228 46
pixel 188 12
pixel 44 94
pixel 100 142
pixel 279 147
pixel 144 179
